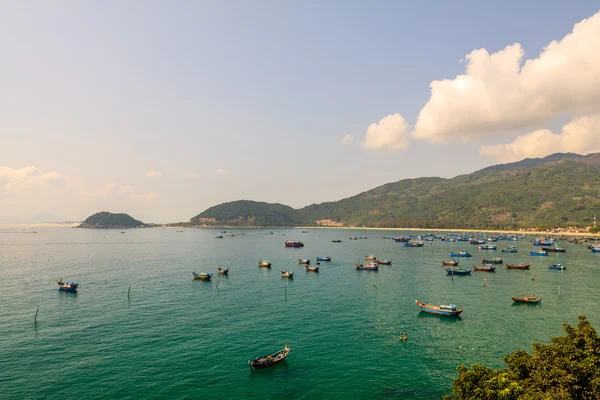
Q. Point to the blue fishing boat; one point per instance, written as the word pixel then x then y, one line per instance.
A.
pixel 557 266
pixel 458 271
pixel 460 254
pixel 596 250
pixel 450 310
pixel 538 253
pixel 510 249
pixel 326 258
pixel 67 286
pixel 293 243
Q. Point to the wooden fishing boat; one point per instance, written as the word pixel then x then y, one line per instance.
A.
pixel 451 263
pixel 538 253
pixel 326 258
pixel 219 237
pixel 336 241
pixel 384 262
pixel 557 266
pixel 458 271
pixel 487 247
pixel 287 274
pixel 510 249
pixel 414 243
pixel 223 271
pixel 312 268
pixel 304 261
pixel 449 310
pixel 370 257
pixel 264 264
pixel 204 276
pixel 293 243
pixel 67 286
pixel 532 299
pixel 353 238
pixel 270 360
pixel 556 249
pixel 460 254
pixel 494 260
pixel 518 266
pixel 485 268
pixel 367 266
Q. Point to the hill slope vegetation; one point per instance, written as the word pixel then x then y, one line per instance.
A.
pixel 559 190
pixel 107 220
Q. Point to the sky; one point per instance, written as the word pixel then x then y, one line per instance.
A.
pixel 162 109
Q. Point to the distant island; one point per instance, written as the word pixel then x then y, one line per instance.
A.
pixel 107 220
pixel 561 190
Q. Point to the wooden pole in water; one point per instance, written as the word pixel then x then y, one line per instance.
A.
pixel 285 291
pixel 559 291
pixel 484 282
pixel 218 280
pixel 36 313
pixel 533 276
pixel 128 291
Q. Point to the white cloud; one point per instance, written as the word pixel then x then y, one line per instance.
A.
pixel 390 132
pixel 14 180
pixel 498 93
pixel 113 188
pixel 144 196
pixel 581 136
pixel 154 174
pixel 347 139
pixel 191 175
pixel 222 172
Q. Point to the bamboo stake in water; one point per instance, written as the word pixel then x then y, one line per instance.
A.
pixel 533 276
pixel 128 291
pixel 484 282
pixel 559 291
pixel 36 313
pixel 285 291
pixel 218 280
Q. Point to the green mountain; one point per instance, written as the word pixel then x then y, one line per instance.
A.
pixel 248 213
pixel 106 220
pixel 558 190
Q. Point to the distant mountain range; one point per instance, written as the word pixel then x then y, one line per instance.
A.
pixel 562 189
pixel 43 217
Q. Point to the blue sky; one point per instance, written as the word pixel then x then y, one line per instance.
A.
pixel 162 109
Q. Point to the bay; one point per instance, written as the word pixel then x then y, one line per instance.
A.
pixel 180 338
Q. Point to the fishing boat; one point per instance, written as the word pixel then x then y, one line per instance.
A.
pixel 270 360
pixel 495 260
pixel 312 268
pixel 384 262
pixel 353 238
pixel 556 249
pixel 219 237
pixel 336 241
pixel 518 266
pixel 451 263
pixel 460 254
pixel 287 274
pixel 363 237
pixel 326 258
pixel 223 271
pixel 264 264
pixel 371 266
pixel 458 271
pixel 304 261
pixel 293 243
pixel 414 243
pixel 511 249
pixel 67 286
pixel 450 310
pixel 596 250
pixel 557 266
pixel 204 276
pixel 538 253
pixel 532 299
pixel 487 247
pixel 485 268
pixel 370 257
pixel 542 242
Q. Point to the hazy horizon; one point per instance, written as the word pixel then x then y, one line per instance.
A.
pixel 163 110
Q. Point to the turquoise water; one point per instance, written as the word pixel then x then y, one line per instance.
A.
pixel 181 338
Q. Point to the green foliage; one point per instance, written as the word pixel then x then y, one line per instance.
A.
pixel 595 229
pixel 248 213
pixel 106 220
pixel 568 368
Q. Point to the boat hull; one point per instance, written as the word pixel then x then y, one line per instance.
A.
pixel 528 301
pixel 510 266
pixel 455 273
pixel 270 360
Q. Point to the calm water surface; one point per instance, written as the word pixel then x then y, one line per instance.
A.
pixel 179 338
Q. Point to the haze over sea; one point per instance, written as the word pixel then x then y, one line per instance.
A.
pixel 178 338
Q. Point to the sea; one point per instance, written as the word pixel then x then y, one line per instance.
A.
pixel 140 326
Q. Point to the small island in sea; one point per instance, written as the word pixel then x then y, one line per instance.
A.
pixel 107 220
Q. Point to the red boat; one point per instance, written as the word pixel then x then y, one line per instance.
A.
pixel 451 263
pixel 485 268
